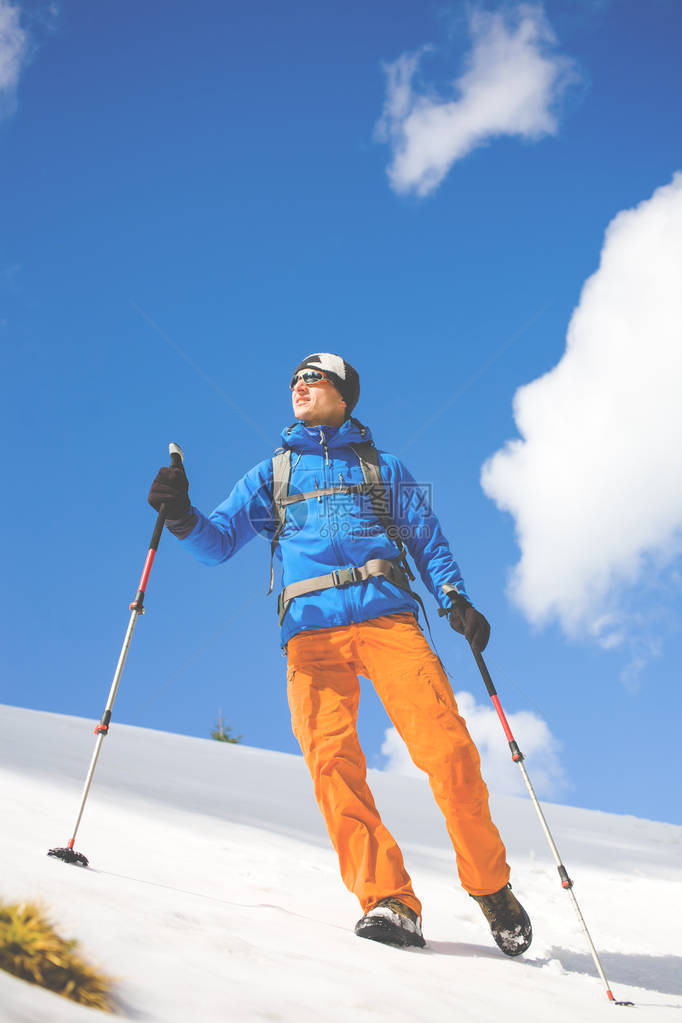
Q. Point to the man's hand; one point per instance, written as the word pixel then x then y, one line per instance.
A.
pixel 468 622
pixel 171 488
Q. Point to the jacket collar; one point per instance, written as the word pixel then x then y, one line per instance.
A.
pixel 300 437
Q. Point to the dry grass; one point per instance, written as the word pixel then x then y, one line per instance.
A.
pixel 31 949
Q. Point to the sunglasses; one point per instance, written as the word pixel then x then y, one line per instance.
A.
pixel 308 376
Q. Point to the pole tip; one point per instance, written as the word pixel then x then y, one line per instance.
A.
pixel 69 855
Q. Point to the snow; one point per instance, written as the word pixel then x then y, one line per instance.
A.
pixel 213 893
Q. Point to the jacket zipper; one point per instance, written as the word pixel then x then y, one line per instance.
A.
pixel 323 442
pixel 331 521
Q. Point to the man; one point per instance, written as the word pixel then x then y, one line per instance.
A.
pixel 347 609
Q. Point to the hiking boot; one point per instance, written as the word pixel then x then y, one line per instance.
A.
pixel 509 922
pixel 392 923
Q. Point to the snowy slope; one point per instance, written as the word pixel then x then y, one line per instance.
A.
pixel 213 893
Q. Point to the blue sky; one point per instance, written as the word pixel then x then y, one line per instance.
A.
pixel 425 189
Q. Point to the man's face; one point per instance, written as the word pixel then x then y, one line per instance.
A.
pixel 318 404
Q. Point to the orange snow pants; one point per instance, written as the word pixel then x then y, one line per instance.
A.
pixel 324 692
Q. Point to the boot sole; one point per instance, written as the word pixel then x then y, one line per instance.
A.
pixel 379 930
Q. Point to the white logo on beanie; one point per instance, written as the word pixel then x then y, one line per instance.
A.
pixel 332 363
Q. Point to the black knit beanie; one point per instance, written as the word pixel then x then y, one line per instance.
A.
pixel 344 377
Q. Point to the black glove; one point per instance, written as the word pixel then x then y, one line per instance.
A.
pixel 468 622
pixel 171 488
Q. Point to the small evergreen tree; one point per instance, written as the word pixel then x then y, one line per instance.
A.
pixel 221 732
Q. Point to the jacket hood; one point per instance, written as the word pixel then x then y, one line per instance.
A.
pixel 300 437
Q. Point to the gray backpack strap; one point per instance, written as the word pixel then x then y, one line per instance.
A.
pixel 378 494
pixel 281 475
pixel 343 577
pixel 375 488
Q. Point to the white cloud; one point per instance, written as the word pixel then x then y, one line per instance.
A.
pixel 13 53
pixel 510 86
pixel 595 482
pixel 501 774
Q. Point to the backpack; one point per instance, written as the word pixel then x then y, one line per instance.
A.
pixel 396 570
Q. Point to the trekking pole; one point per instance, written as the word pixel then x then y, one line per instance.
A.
pixel 68 853
pixel 517 757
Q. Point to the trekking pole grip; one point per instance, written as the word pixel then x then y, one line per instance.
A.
pixel 478 657
pixel 176 456
pixel 176 460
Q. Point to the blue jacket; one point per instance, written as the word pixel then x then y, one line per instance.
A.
pixel 336 531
